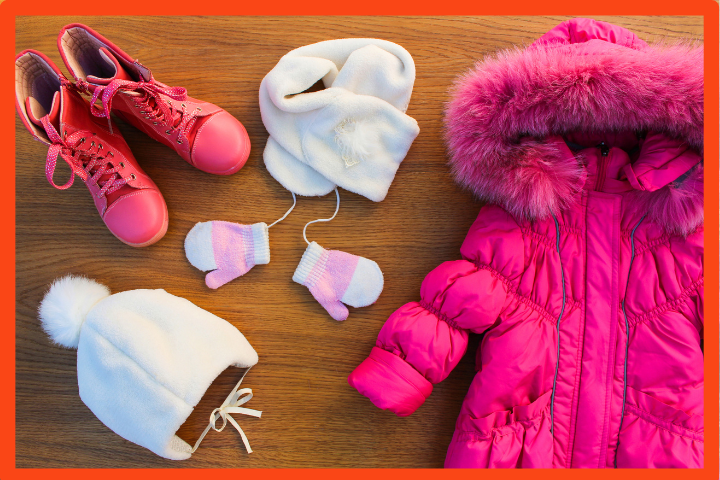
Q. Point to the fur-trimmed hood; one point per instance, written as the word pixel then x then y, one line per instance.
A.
pixel 584 76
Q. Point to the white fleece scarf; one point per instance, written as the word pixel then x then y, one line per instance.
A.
pixel 352 134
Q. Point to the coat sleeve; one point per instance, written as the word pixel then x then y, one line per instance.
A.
pixel 423 341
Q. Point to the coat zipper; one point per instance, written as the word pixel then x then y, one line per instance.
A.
pixel 627 335
pixel 602 166
pixel 557 327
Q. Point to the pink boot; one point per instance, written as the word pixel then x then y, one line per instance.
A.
pixel 128 201
pixel 203 134
pixel 334 278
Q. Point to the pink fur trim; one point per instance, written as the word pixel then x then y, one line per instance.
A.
pixel 504 113
pixel 677 207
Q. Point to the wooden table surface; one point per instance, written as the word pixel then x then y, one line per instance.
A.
pixel 311 416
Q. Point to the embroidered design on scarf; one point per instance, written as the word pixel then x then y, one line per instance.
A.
pixel 352 137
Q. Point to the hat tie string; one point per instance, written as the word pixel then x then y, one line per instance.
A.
pixel 231 405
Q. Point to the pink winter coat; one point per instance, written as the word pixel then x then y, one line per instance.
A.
pixel 584 273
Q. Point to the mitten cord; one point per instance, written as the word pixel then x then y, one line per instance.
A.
pixel 286 213
pixel 337 207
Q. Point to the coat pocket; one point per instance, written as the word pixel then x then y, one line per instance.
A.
pixel 517 438
pixel 657 435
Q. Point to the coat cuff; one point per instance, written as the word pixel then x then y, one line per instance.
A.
pixel 390 383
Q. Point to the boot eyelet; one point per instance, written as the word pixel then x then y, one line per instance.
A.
pixel 179 142
pixel 199 109
pixel 154 123
pixel 133 177
pixel 122 165
pixel 168 132
pixel 92 144
pixel 183 105
pixel 110 154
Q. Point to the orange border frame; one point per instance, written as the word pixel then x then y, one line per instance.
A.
pixel 706 8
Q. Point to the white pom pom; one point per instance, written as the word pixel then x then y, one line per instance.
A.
pixel 65 306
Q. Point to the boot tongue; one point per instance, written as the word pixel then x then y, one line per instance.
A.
pixel 122 74
pixel 118 71
pixel 36 112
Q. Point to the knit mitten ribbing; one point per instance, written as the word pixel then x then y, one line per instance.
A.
pixel 335 278
pixel 230 250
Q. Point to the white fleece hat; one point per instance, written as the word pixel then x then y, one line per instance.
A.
pixel 144 358
pixel 352 134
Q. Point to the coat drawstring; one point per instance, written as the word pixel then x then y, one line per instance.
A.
pixel 627 335
pixel 557 326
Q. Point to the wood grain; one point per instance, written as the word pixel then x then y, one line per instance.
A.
pixel 311 416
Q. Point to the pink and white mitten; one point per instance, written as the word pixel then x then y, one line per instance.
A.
pixel 228 249
pixel 334 277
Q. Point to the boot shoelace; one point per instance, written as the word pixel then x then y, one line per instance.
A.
pixel 86 161
pixel 148 98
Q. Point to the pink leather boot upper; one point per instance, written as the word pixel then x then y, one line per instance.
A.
pixel 203 134
pixel 128 201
